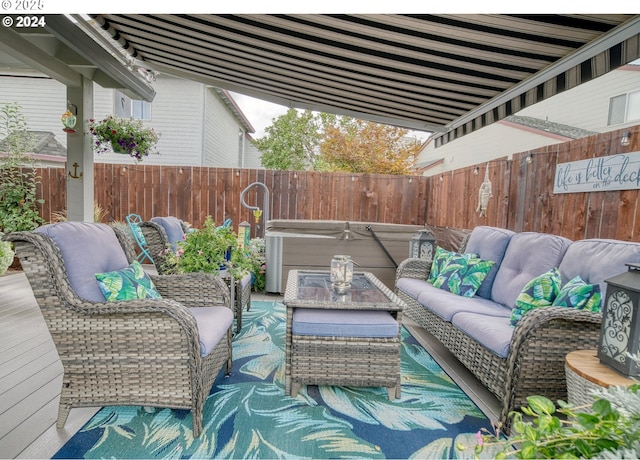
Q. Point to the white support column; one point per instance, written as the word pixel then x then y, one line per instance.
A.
pixel 79 152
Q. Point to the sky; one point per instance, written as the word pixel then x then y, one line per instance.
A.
pixel 261 114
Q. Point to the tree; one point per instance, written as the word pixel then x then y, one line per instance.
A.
pixel 290 142
pixel 18 178
pixel 359 146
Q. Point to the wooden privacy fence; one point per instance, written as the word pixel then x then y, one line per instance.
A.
pixel 192 193
pixel 523 198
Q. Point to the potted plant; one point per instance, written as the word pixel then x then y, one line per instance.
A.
pixel 208 250
pixel 123 135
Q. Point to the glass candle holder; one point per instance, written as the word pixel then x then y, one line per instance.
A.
pixel 341 272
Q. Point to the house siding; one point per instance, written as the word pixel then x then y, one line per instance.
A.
pixel 252 156
pixel 176 113
pixel 181 112
pixel 42 102
pixel 586 107
pixel 222 143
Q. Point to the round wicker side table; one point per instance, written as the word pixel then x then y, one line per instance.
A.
pixel 585 373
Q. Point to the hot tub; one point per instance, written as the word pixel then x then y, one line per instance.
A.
pixel 310 245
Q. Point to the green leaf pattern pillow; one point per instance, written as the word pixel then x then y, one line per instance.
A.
pixel 578 294
pixel 130 283
pixel 440 259
pixel 463 274
pixel 539 292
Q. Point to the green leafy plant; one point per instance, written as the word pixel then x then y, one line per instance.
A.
pixel 18 176
pixel 205 250
pixel 251 260
pixel 6 255
pixel 609 428
pixel 123 135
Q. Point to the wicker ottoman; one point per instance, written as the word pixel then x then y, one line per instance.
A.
pixel 334 341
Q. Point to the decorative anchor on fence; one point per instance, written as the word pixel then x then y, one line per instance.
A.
pixel 484 194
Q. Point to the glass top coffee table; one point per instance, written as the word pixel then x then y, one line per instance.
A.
pixel 350 339
pixel 313 288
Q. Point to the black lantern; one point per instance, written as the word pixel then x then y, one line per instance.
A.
pixel 422 245
pixel 620 331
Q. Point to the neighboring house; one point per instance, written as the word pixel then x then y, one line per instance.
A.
pixel 199 125
pixel 607 103
pixel 47 151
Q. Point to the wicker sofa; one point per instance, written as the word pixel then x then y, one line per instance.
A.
pixel 515 362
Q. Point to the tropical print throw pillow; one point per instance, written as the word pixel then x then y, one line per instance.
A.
pixel 578 294
pixel 539 292
pixel 463 275
pixel 440 259
pixel 130 283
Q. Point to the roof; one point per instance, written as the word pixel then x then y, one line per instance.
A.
pixel 449 74
pixel 559 129
pixel 44 143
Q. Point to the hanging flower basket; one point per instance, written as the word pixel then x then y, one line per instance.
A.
pixel 116 148
pixel 123 135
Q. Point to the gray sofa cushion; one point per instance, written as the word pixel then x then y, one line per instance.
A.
pixel 86 249
pixel 413 287
pixel 489 243
pixel 173 227
pixel 528 255
pixel 446 305
pixel 492 332
pixel 595 260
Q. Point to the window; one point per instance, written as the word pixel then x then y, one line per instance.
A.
pixel 125 107
pixel 624 108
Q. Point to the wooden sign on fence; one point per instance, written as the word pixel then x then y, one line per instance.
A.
pixel 613 172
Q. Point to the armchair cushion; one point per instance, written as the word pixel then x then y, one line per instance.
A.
pixel 213 323
pixel 130 283
pixel 173 227
pixel 83 257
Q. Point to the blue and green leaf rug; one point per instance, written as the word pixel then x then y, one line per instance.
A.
pixel 247 414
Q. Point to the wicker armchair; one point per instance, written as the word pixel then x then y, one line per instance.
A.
pixel 158 240
pixel 152 352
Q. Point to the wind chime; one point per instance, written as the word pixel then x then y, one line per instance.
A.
pixel 484 193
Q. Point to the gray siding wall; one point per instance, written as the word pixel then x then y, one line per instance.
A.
pixel 251 155
pixel 586 106
pixel 42 100
pixel 176 112
pixel 222 138
pixel 180 111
